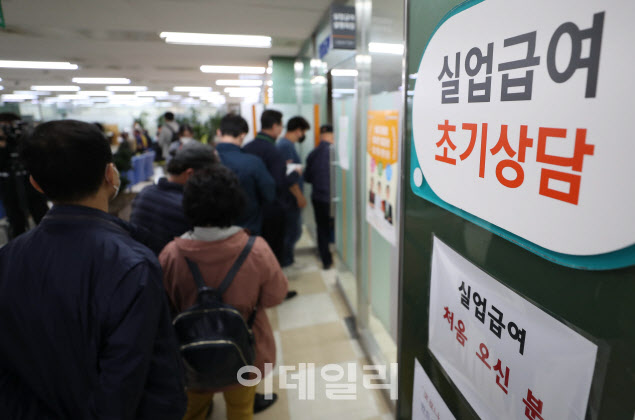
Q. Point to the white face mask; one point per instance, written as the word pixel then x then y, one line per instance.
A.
pixel 118 186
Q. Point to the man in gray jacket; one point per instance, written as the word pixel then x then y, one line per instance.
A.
pixel 169 132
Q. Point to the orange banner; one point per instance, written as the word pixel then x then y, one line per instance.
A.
pixel 383 136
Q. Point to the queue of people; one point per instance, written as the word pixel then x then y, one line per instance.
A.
pixel 88 326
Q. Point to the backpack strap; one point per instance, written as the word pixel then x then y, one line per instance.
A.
pixel 198 277
pixel 227 281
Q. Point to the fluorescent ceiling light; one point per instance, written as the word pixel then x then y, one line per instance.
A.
pixel 221 40
pixel 96 93
pixel 343 72
pixel 191 89
pixel 384 48
pixel 153 93
pixel 102 80
pixel 100 99
pixel 239 82
pixel 56 88
pixel 46 65
pixel 269 82
pixel 0 79
pixel 1 87
pixel 126 88
pixel 233 69
pixel 30 92
pixel 242 89
pixel 18 97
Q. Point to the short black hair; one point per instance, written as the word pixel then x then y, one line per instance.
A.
pixel 193 155
pixel 9 117
pixel 297 122
pixel 168 116
pixel 326 128
pixel 233 125
pixel 67 158
pixel 269 118
pixel 184 128
pixel 213 197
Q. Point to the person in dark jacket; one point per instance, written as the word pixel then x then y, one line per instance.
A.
pixel 255 181
pixel 158 208
pixel 294 196
pixel 317 173
pixel 263 146
pixel 84 317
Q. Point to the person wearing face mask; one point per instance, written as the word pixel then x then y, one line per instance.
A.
pixel 293 198
pixel 86 324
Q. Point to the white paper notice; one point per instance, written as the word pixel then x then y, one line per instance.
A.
pixel 427 403
pixel 505 355
pixel 342 143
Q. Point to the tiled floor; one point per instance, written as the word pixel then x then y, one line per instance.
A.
pixel 310 328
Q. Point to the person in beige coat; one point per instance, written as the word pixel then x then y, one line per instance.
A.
pixel 213 201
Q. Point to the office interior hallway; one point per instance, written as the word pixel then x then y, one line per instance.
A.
pixel 312 328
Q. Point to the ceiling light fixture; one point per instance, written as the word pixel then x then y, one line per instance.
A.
pixel 384 48
pixel 191 89
pixel 239 82
pixel 344 73
pixel 220 40
pixel 56 88
pixel 44 65
pixel 31 92
pixel 251 90
pixel 126 88
pixel 233 69
pixel 17 97
pixel 101 80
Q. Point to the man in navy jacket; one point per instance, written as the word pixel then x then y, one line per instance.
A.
pixel 159 207
pixel 317 173
pixel 86 331
pixel 256 182
pixel 263 146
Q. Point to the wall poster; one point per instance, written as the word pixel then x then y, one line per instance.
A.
pixel 382 172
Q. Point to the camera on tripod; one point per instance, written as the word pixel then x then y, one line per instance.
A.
pixel 10 135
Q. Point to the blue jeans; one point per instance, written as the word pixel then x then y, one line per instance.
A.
pixel 292 233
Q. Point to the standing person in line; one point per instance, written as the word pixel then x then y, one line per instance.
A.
pixel 293 197
pixel 169 133
pixel 255 180
pixel 186 136
pixel 263 146
pixel 86 330
pixel 317 173
pixel 214 245
pixel 159 207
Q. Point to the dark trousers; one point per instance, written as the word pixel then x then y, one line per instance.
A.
pixel 292 233
pixel 19 198
pixel 273 232
pixel 324 222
